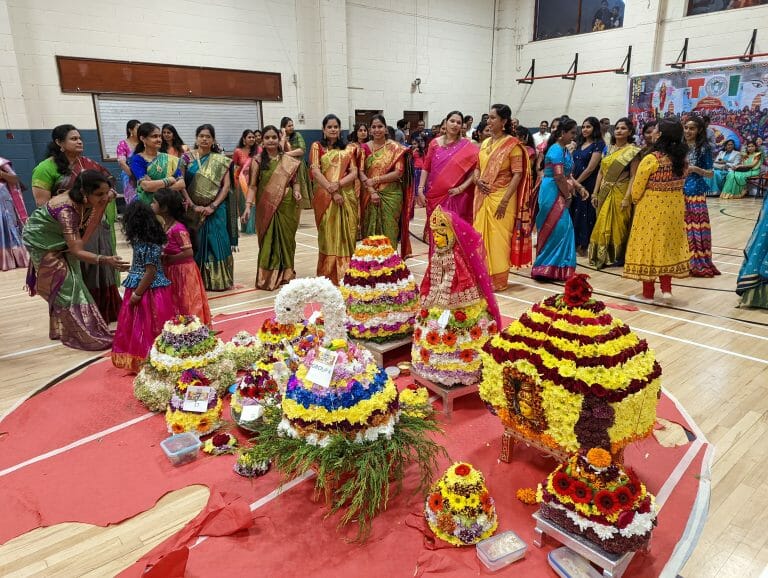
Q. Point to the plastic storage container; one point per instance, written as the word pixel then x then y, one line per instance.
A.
pixel 181 448
pixel 568 564
pixel 501 550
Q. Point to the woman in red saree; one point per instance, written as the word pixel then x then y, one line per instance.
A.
pixel 335 203
pixel 384 197
pixel 446 178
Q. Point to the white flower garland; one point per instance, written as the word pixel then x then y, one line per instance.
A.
pixel 641 523
pixel 385 430
pixel 290 302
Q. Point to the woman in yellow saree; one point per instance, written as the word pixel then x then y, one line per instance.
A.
pixel 613 199
pixel 502 212
pixel 276 191
pixel 336 207
pixel 382 203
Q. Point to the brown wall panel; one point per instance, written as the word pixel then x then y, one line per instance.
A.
pixel 118 77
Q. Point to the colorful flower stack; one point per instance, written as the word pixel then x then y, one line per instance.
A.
pixel 459 509
pixel 568 375
pixel 257 387
pixel 447 343
pixel 360 403
pixel 220 444
pixel 198 423
pixel 244 350
pixel 380 293
pixel 599 500
pixel 185 343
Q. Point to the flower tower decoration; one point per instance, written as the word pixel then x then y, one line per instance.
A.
pixel 258 388
pixel 458 308
pixel 380 293
pixel 340 416
pixel 600 500
pixel 459 509
pixel 202 418
pixel 185 343
pixel 244 350
pixel 567 375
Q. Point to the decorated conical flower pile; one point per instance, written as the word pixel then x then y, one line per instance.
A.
pixel 380 293
pixel 459 509
pixel 200 422
pixel 569 375
pixel 600 500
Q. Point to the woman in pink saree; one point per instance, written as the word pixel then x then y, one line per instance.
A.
pixel 446 179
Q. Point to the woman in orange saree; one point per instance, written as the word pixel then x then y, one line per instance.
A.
pixel 334 171
pixel 502 199
pixel 384 199
pixel 446 179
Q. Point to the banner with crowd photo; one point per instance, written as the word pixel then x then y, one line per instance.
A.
pixel 735 97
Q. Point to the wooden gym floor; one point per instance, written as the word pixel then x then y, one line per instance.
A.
pixel 714 357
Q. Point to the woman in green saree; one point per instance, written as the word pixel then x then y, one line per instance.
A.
pixel 612 198
pixel 276 193
pixel 56 174
pixel 383 210
pixel 212 209
pixel 335 203
pixel 152 169
pixel 55 236
pixel 294 145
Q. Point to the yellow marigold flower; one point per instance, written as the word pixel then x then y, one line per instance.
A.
pixel 526 495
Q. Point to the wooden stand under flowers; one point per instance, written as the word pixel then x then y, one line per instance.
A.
pixel 447 394
pixel 613 565
pixel 389 352
pixel 510 437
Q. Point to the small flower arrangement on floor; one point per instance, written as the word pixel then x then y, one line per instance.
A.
pixel 220 444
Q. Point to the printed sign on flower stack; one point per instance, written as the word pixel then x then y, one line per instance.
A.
pixel 380 293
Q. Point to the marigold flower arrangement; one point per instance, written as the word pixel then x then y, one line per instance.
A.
pixel 569 375
pixel 220 444
pixel 380 292
pixel 459 509
pixel 199 423
pixel 349 430
pixel 185 343
pixel 414 401
pixel 600 500
pixel 244 350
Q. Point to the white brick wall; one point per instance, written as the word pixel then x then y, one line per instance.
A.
pixel 354 54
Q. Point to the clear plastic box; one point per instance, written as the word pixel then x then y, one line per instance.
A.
pixel 501 550
pixel 181 448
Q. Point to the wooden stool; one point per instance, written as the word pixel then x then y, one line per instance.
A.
pixel 447 394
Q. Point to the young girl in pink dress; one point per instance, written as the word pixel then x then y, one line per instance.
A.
pixel 148 300
pixel 186 282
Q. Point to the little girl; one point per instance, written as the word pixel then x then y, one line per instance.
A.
pixel 148 300
pixel 188 291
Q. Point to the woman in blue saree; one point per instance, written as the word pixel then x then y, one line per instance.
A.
pixel 555 245
pixel 213 209
pixel 752 283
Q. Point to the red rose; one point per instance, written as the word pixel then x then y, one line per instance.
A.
pixel 424 313
pixel 645 506
pixel 625 519
pixel 220 439
pixel 459 316
pixel 462 470
pixel 577 290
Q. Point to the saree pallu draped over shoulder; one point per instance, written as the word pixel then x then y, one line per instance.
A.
pixel 390 216
pixel 277 220
pixel 507 240
pixel 55 274
pixel 608 241
pixel 336 224
pixel 217 233
pixel 448 167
